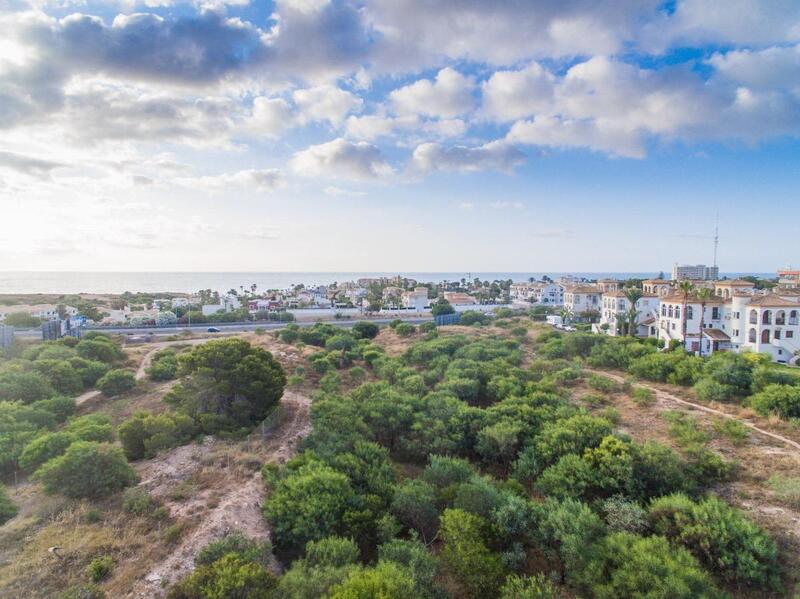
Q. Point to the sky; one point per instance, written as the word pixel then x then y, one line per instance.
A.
pixel 398 135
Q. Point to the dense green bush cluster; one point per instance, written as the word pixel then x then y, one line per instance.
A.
pixel 480 436
pixel 164 366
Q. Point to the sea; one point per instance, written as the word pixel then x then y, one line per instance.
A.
pixel 189 282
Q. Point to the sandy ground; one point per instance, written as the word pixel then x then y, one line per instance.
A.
pixel 234 500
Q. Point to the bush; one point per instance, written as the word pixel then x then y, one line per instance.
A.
pixel 239 385
pixel 442 307
pixel 87 469
pixel 26 387
pixel 721 537
pixel 7 508
pixel 99 348
pixel 230 577
pixel 602 383
pixel 115 382
pixel 84 591
pixel 44 448
pixel 138 501
pixel 235 542
pixel 100 567
pixel 92 427
pixel 733 430
pixel 366 330
pixel 478 570
pixel 533 587
pixel 61 375
pixel 471 317
pixel 405 329
pixel 783 400
pixel 386 580
pixel 626 565
pixel 144 435
pixel 22 320
pixel 643 395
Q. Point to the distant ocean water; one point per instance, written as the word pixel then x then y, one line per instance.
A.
pixel 188 282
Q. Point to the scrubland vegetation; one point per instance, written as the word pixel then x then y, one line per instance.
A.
pixel 489 459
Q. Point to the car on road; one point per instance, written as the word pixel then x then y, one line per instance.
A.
pixel 212 330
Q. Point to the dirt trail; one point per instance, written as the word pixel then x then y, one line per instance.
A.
pixel 234 503
pixel 664 396
pixel 143 365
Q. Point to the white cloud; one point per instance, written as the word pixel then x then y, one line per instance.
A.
pixel 334 191
pixel 341 158
pixel 496 155
pixel 325 103
pixel 509 95
pixel 507 205
pixel 256 179
pixel 271 117
pixel 449 96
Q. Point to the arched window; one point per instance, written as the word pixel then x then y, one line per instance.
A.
pixel 765 336
pixel 677 311
pixel 689 313
pixel 751 336
pixel 780 317
pixel 671 313
pixel 663 309
pixel 793 317
pixel 753 317
pixel 766 317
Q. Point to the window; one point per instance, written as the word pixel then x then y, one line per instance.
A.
pixel 753 317
pixel 671 312
pixel 664 310
pixel 689 313
pixel 780 317
pixel 789 334
pixel 766 317
pixel 677 311
pixel 777 333
pixel 715 313
pixel 765 336
pixel 751 336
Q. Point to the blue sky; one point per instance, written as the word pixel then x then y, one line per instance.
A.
pixel 398 135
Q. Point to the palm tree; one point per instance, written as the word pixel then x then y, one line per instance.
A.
pixel 622 323
pixel 703 295
pixel 686 288
pixel 633 295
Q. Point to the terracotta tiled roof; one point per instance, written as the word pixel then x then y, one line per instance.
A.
pixel 716 335
pixel 773 301
pixel 583 289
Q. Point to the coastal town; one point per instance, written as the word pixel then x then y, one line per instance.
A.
pixel 694 307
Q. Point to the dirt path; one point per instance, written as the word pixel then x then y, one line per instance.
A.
pixel 664 396
pixel 232 503
pixel 141 371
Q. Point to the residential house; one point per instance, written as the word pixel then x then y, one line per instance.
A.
pixel 789 278
pixel 579 300
pixel 41 311
pixel 416 299
pixel 674 310
pixel 767 324
pixel 615 311
pixel 607 285
pixel 457 298
pixel 659 287
pixel 726 289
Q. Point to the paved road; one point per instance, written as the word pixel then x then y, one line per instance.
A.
pixel 222 326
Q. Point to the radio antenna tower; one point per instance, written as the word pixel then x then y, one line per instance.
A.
pixel 716 239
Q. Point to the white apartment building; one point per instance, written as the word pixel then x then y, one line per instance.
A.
pixel 767 324
pixel 615 305
pixel 727 289
pixel 551 294
pixel 417 299
pixel 582 298
pixel 41 311
pixel 715 317
pixel 660 287
pixel 699 272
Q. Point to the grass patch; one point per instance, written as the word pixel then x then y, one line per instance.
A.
pixel 643 396
pixel 732 430
pixel 685 430
pixel 786 488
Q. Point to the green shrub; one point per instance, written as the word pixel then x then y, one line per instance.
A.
pixel 44 448
pixel 100 567
pixel 733 430
pixel 366 330
pixel 783 400
pixel 295 381
pixel 235 542
pixel 138 501
pixel 720 536
pixel 602 383
pixel 92 427
pixel 87 469
pixel 643 395
pixel 115 382
pixel 626 565
pixel 529 587
pixel 84 591
pixel 405 329
pixel 143 435
pixel 7 508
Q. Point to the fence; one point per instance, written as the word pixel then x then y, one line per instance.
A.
pixel 445 319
